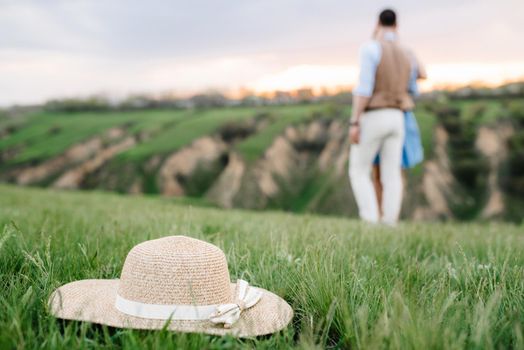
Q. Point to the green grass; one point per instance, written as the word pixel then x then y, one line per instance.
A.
pixel 154 121
pixel 426 122
pixel 46 134
pixel 206 122
pixel 485 111
pixel 254 146
pixel 13 122
pixel 49 134
pixel 420 286
pixel 195 125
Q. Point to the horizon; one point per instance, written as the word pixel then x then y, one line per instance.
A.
pixel 238 95
pixel 61 49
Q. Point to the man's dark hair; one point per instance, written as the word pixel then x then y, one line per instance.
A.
pixel 388 18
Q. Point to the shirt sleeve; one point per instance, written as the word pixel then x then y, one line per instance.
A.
pixel 413 87
pixel 369 59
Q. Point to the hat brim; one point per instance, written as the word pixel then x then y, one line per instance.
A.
pixel 94 301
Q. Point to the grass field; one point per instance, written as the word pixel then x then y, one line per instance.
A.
pixel 48 134
pixel 194 125
pixel 419 286
pixel 44 135
pixel 254 146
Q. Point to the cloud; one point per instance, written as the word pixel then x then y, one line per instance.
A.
pixel 35 78
pixel 61 47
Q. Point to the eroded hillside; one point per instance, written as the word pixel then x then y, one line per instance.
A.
pixel 285 157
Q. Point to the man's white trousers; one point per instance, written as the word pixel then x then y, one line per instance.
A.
pixel 382 132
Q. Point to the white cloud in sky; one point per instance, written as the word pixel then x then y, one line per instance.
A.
pixel 60 48
pixel 34 78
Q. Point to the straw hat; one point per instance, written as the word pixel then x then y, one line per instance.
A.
pixel 178 282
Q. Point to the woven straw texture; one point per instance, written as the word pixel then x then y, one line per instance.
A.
pixel 170 270
pixel 175 270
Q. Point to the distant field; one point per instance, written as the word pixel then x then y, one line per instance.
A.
pixel 44 135
pixel 485 111
pixel 192 126
pixel 308 176
pixel 254 146
pixel 420 286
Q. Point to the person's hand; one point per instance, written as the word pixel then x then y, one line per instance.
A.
pixel 354 134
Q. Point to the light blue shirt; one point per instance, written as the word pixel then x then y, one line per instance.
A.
pixel 370 55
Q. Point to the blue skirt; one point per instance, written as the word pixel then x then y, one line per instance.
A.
pixel 412 151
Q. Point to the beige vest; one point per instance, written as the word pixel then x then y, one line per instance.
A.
pixel 392 79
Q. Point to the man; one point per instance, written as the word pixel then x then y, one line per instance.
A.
pixel 388 74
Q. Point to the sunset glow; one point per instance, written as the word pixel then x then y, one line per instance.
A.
pixel 307 76
pixel 63 49
pixel 460 74
pixel 447 75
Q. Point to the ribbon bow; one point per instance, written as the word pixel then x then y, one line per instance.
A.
pixel 228 314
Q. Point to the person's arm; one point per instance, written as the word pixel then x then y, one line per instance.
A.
pixel 418 72
pixel 369 58
pixel 359 105
pixel 422 74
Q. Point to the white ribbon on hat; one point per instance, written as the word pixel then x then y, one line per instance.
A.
pixel 227 314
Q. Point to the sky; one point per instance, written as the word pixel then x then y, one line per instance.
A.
pixel 70 48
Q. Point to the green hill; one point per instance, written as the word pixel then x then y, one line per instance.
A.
pixel 419 286
pixel 290 157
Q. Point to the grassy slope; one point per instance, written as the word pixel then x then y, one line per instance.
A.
pixel 10 122
pixel 178 128
pixel 200 123
pixel 426 122
pixel 490 110
pixel 419 286
pixel 254 146
pixel 195 125
pixel 173 129
pixel 40 143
